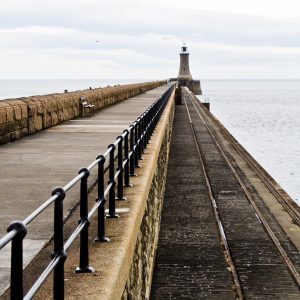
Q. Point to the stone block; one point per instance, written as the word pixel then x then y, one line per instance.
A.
pixel 5 139
pixel 23 123
pixel 47 121
pixel 24 111
pixel 75 111
pixel 32 109
pixel 61 116
pixel 53 105
pixel 10 116
pixel 14 135
pixel 59 104
pixel 40 107
pixel 3 118
pixel 66 114
pixel 17 112
pixel 24 132
pixel 3 129
pixel 12 126
pixel 70 112
pixel 38 123
pixel 54 118
pixel 31 127
pixel 46 105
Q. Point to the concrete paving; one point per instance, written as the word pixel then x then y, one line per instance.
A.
pixel 33 166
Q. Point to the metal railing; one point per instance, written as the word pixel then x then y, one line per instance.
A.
pixel 129 147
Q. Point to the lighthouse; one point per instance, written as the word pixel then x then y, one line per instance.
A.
pixel 184 77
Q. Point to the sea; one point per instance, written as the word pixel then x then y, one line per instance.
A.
pixel 263 115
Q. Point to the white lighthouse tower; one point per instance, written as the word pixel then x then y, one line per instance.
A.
pixel 184 77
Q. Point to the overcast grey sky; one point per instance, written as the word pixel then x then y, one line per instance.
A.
pixel 142 38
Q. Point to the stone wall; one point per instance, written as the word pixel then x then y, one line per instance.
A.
pixel 138 285
pixel 24 116
pixel 195 87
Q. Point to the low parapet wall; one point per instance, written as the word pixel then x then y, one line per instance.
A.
pixel 138 284
pixel 24 116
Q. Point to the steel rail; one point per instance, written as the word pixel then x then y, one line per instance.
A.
pixel 227 254
pixel 94 208
pixel 49 269
pixel 7 238
pixel 74 235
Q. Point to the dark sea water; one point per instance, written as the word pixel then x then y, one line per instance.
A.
pixel 264 116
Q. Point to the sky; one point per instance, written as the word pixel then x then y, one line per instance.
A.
pixel 245 39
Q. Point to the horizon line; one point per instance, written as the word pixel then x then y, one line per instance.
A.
pixel 150 79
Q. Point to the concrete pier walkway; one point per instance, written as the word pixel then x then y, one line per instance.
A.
pixel 218 239
pixel 33 166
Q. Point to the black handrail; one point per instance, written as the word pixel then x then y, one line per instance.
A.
pixel 130 147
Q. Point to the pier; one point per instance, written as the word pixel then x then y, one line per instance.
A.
pixel 145 196
pixel 225 243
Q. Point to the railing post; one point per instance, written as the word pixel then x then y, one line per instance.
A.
pixel 151 116
pixel 156 105
pixel 112 182
pixel 139 138
pixel 120 195
pixel 150 121
pixel 132 155
pixel 126 158
pixel 136 146
pixel 142 137
pixel 101 209
pixel 146 127
pixel 84 219
pixel 59 272
pixel 16 275
pixel 145 123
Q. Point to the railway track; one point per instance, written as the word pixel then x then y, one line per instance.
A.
pixel 235 256
pixel 228 258
pixel 288 204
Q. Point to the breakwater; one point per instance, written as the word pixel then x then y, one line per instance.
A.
pixel 199 254
pixel 24 116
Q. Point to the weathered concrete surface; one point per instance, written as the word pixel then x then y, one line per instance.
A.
pixel 24 116
pixel 124 265
pixel 32 166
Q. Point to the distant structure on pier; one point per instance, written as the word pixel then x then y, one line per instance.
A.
pixel 184 77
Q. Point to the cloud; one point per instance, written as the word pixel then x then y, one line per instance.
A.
pixel 58 38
